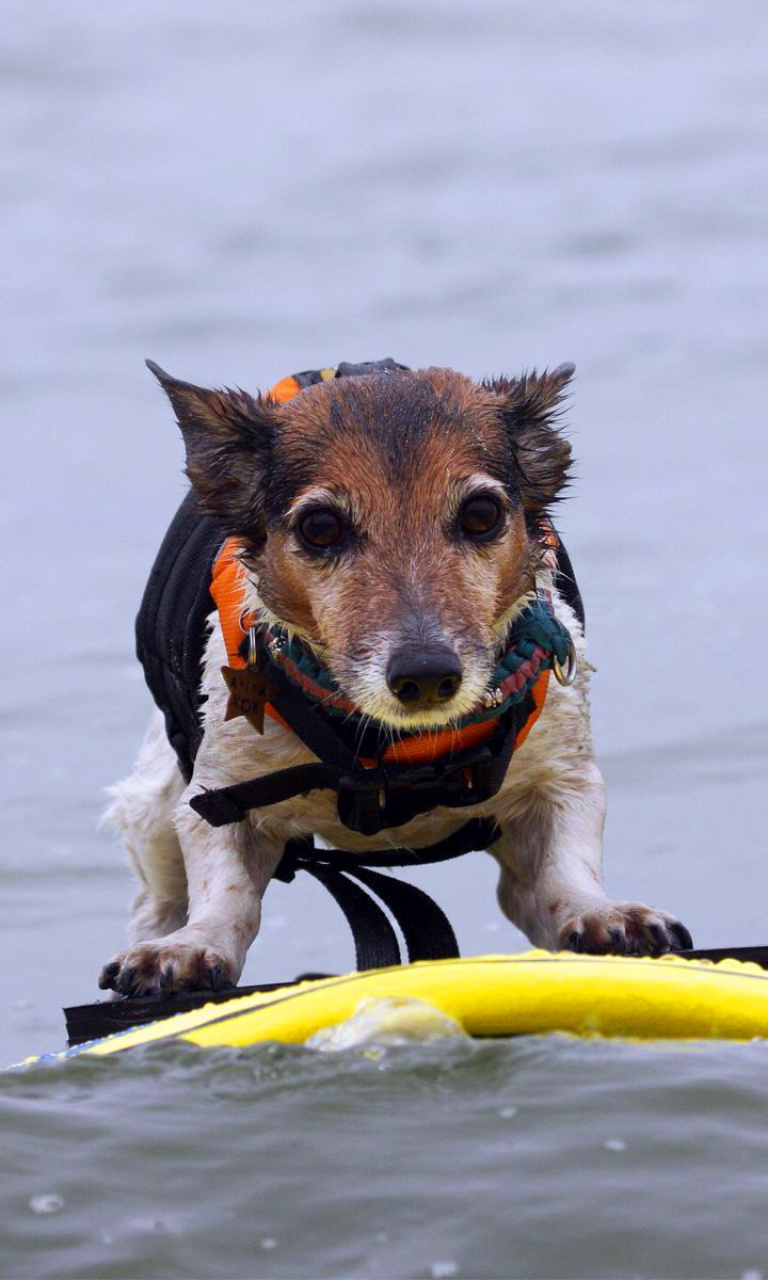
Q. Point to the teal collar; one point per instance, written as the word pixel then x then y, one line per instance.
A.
pixel 537 642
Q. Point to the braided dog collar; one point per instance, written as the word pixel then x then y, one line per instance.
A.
pixel 537 642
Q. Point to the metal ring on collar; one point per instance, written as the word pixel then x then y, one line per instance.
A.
pixel 568 676
pixel 253 655
pixel 245 615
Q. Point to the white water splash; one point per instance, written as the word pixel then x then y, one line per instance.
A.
pixel 392 1021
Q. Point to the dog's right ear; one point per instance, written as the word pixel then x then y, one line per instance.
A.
pixel 228 437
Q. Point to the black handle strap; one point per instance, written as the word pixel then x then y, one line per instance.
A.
pixel 376 945
pixel 424 925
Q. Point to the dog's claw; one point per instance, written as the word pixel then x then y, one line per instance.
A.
pixel 660 936
pixel 618 941
pixel 108 975
pixel 218 978
pixel 681 936
pixel 126 980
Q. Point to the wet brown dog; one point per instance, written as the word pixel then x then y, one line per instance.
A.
pixel 393 522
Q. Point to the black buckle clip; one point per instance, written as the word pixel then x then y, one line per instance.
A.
pixel 418 777
pixel 450 774
pixel 378 799
pixel 359 806
pixel 482 774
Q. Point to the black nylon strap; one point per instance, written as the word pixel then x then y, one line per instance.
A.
pixel 566 584
pixel 223 805
pixel 376 945
pixel 306 719
pixel 425 927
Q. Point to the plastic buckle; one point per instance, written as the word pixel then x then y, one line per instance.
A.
pixel 424 775
pixel 482 775
pixel 358 804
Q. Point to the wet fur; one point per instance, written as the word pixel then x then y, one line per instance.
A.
pixel 397 454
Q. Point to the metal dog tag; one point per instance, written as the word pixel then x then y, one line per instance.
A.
pixel 249 694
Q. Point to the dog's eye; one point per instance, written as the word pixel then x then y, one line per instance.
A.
pixel 320 529
pixel 480 516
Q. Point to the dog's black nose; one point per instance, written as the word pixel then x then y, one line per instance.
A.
pixel 423 675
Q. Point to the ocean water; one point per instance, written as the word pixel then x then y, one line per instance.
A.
pixel 246 191
pixel 547 1157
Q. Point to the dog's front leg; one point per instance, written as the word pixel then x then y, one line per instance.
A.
pixel 228 869
pixel 551 882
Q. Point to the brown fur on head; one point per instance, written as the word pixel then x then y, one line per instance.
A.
pixel 400 470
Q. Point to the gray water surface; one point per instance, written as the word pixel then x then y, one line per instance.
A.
pixel 251 189
pixel 543 1157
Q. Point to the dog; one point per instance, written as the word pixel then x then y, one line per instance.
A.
pixel 394 524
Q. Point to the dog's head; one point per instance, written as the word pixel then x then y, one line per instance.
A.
pixel 391 520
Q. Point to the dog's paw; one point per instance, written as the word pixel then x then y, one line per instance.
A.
pixel 624 928
pixel 155 968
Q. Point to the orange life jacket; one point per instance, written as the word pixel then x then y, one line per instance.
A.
pixel 379 785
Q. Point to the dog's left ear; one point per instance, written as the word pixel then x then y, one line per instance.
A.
pixel 531 407
pixel 228 438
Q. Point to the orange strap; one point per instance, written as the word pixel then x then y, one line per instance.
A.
pixel 228 591
pixel 287 388
pixel 284 390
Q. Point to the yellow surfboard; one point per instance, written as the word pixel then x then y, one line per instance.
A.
pixel 490 996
